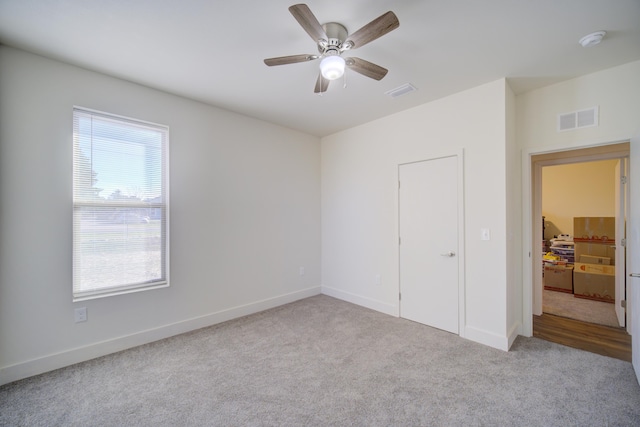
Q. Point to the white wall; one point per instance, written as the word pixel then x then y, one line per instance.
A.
pixel 617 93
pixel 514 221
pixel 360 203
pixel 578 189
pixel 245 215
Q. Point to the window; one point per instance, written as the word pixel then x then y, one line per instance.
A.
pixel 120 205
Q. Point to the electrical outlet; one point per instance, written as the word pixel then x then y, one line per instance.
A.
pixel 302 271
pixel 378 280
pixel 80 314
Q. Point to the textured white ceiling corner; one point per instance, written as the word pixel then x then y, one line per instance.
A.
pixel 213 51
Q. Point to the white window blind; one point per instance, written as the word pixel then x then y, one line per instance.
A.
pixel 120 205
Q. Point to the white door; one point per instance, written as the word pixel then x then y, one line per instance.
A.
pixel 620 211
pixel 428 217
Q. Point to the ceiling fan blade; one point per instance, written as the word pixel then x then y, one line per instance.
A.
pixel 373 30
pixel 292 59
pixel 308 21
pixel 322 84
pixel 366 68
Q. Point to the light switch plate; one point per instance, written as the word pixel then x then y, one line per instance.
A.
pixel 485 234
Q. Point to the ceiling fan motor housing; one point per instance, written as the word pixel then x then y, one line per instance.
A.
pixel 337 34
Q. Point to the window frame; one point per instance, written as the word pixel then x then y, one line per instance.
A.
pixel 164 280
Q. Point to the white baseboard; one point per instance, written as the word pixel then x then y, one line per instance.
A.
pixel 473 334
pixel 513 333
pixel 76 355
pixel 382 307
pixel 487 338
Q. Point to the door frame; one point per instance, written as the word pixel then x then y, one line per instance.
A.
pixel 459 155
pixel 532 205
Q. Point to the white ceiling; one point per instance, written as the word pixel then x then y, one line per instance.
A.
pixel 213 50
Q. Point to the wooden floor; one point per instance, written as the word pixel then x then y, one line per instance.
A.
pixel 605 340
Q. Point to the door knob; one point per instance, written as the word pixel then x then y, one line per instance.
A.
pixel 448 254
pixel 634 274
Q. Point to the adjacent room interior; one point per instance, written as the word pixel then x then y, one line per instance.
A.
pixel 571 191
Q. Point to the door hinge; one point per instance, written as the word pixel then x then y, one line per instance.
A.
pixel 623 303
pixel 623 242
pixel 399 296
pixel 399 240
pixel 623 179
pixel 398 185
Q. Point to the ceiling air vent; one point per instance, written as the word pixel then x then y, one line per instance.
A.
pixel 578 119
pixel 401 90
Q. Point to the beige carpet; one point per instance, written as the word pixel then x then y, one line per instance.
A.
pixel 566 305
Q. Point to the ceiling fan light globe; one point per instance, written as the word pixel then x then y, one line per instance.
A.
pixel 332 67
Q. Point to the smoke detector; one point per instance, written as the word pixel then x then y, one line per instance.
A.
pixel 592 39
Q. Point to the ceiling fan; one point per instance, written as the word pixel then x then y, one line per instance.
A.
pixel 333 40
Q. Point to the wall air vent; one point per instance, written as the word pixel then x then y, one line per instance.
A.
pixel 578 119
pixel 401 90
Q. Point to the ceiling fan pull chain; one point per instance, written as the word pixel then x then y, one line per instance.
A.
pixel 344 77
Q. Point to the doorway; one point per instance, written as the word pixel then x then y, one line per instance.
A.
pixel 538 162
